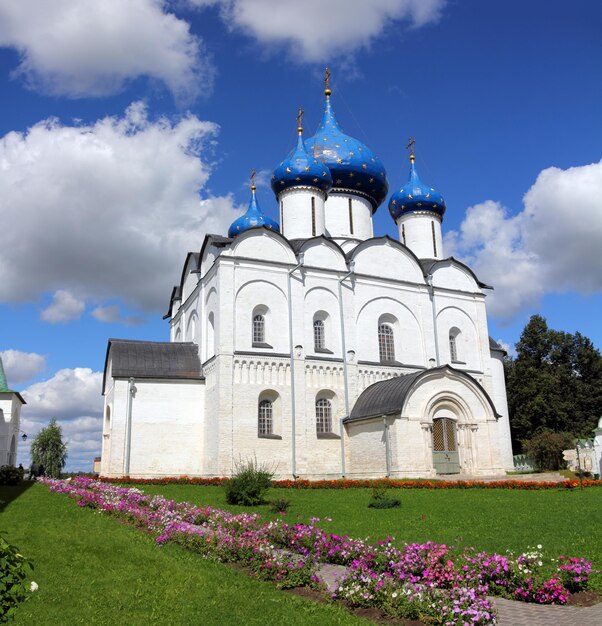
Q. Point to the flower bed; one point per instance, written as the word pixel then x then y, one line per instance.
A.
pixel 353 484
pixel 417 581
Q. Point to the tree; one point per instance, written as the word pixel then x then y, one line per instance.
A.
pixel 546 449
pixel 554 383
pixel 49 451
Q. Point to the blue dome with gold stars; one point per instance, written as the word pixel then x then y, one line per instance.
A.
pixel 354 167
pixel 300 169
pixel 253 218
pixel 415 196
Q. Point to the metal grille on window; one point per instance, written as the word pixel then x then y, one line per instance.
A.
pixel 453 350
pixel 265 417
pixel 386 343
pixel 323 416
pixel 258 329
pixel 319 336
pixel 438 436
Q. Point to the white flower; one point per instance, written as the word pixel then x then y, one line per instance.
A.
pixel 33 586
pixel 539 546
pixel 394 594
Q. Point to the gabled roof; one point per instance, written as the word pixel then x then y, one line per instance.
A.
pixel 428 265
pixel 494 345
pixel 4 385
pixel 153 359
pixel 387 397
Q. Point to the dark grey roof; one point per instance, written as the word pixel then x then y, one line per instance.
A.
pixel 153 359
pixel 176 294
pixel 387 397
pixel 220 239
pixel 494 345
pixel 384 397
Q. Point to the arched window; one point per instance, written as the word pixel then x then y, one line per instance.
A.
pixel 265 418
pixel 319 335
pixel 108 420
pixel 454 333
pixel 323 416
pixel 386 343
pixel 258 328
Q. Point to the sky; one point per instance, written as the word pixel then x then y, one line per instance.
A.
pixel 129 129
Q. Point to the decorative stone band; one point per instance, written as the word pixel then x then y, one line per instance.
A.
pixel 427 213
pixel 292 188
pixel 353 192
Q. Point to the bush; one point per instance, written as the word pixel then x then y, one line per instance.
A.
pixel 546 448
pixel 381 499
pixel 249 484
pixel 14 568
pixel 10 475
pixel 280 505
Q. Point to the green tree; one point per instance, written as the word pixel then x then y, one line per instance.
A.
pixel 554 383
pixel 48 449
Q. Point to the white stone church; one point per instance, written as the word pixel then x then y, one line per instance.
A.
pixel 314 346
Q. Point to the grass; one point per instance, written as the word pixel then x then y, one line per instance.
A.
pixel 93 570
pixel 564 522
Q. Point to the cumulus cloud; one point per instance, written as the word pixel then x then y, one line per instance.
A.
pixel 73 396
pixel 551 246
pixel 87 48
pixel 112 315
pixel 106 210
pixel 65 307
pixel 19 367
pixel 343 26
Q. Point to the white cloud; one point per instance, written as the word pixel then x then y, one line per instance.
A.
pixel 316 30
pixel 551 246
pixel 73 396
pixel 112 315
pixel 65 307
pixel 20 367
pixel 90 48
pixel 106 210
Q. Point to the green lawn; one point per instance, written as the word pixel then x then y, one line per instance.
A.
pixel 564 522
pixel 93 570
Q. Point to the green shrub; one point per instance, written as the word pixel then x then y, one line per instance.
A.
pixel 280 505
pixel 249 484
pixel 14 568
pixel 10 475
pixel 382 500
pixel 546 448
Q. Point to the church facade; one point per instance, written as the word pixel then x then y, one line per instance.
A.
pixel 313 346
pixel 10 420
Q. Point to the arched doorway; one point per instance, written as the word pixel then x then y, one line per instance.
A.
pixel 446 459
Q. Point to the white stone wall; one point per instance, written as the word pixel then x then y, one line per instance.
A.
pixel 296 213
pixel 10 420
pixel 339 222
pixel 167 428
pixel 416 232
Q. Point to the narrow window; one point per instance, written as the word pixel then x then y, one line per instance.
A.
pixel 258 329
pixel 323 416
pixel 313 216
pixel 350 217
pixel 319 335
pixel 403 234
pixel 265 421
pixel 434 241
pixel 454 333
pixel 281 216
pixel 386 343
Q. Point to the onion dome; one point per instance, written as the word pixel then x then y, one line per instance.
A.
pixel 254 216
pixel 354 167
pixel 300 169
pixel 415 196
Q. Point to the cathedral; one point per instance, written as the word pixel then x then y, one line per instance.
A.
pixel 312 346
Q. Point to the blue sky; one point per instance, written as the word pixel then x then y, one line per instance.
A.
pixel 129 129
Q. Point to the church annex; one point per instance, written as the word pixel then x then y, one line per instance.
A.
pixel 312 345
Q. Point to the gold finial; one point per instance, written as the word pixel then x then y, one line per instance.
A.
pixel 300 120
pixel 327 75
pixel 253 180
pixel 410 147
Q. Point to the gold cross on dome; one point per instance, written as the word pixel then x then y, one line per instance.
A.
pixel 410 147
pixel 300 119
pixel 327 76
pixel 253 180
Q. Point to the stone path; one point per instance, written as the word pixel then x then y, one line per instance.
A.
pixel 510 612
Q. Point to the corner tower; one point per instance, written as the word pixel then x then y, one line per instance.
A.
pixel 418 212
